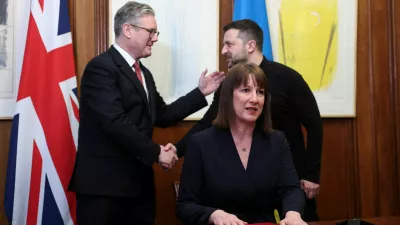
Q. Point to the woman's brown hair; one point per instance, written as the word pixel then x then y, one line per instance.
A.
pixel 239 75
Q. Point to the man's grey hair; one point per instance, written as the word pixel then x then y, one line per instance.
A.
pixel 130 13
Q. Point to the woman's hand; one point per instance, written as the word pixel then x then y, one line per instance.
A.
pixel 219 217
pixel 292 218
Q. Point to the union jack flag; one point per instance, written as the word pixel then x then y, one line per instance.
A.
pixel 45 125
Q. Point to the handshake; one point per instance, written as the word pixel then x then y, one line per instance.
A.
pixel 167 157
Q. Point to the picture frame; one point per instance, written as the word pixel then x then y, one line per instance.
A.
pixel 319 40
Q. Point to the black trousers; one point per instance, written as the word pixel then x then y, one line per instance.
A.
pixel 107 210
pixel 310 210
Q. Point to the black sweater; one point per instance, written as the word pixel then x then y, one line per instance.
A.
pixel 292 105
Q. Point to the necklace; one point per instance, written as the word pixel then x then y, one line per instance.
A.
pixel 244 149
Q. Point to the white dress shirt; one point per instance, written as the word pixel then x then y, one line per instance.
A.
pixel 130 60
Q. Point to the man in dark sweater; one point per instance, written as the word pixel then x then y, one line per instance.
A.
pixel 292 105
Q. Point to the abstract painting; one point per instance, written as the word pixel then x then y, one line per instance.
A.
pixel 187 45
pixel 318 39
pixel 7 78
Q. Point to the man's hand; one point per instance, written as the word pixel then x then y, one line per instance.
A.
pixel 311 189
pixel 170 147
pixel 219 217
pixel 170 156
pixel 167 157
pixel 208 84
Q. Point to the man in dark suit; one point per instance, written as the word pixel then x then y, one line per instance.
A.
pixel 292 105
pixel 119 105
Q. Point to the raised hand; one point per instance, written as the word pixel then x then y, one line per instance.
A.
pixel 208 84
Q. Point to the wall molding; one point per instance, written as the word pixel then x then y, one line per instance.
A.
pixel 101 30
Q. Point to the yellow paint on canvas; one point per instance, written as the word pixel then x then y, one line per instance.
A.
pixel 308 39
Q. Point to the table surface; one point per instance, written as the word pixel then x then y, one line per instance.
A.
pixel 376 221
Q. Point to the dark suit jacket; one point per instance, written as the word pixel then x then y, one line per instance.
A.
pixel 115 147
pixel 213 177
pixel 292 105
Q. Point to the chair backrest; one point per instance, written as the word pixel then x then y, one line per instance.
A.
pixel 175 186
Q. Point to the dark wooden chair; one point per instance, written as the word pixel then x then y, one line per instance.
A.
pixel 175 186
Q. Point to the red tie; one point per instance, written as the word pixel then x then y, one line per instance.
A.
pixel 138 71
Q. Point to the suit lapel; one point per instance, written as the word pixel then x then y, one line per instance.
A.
pixel 257 152
pixel 227 147
pixel 128 72
pixel 150 90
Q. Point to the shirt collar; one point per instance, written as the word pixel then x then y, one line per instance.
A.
pixel 128 58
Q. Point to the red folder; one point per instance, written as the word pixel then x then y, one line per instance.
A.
pixel 266 223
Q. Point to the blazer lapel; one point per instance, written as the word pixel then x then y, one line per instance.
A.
pixel 258 147
pixel 129 73
pixel 151 90
pixel 227 147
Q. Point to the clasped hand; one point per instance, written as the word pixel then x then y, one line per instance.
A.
pixel 167 158
pixel 311 189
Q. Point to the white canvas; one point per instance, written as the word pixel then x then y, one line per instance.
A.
pixel 337 98
pixel 188 44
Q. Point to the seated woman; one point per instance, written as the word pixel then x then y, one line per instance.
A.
pixel 234 171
